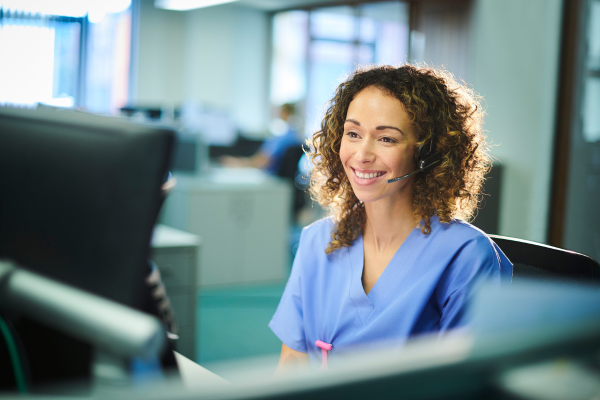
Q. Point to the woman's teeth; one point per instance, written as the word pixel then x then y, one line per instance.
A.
pixel 368 176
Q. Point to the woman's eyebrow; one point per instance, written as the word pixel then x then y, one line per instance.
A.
pixel 384 127
pixel 379 128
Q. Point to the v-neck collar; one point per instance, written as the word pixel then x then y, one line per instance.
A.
pixel 382 290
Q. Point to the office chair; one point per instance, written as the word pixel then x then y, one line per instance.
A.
pixel 548 265
pixel 288 170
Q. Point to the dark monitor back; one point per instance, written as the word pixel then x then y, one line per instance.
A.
pixel 79 195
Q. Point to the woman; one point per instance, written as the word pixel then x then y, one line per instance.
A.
pixel 396 259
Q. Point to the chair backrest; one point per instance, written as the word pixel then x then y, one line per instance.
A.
pixel 288 170
pixel 547 264
pixel 289 162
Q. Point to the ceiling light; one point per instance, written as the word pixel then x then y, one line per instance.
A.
pixel 184 5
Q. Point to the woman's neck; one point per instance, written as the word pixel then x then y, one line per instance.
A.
pixel 389 223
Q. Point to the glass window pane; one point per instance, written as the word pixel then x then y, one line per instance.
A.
pixel 66 62
pixel 288 68
pixel 394 11
pixel 368 30
pixel 333 23
pixel 392 43
pixel 67 8
pixel 591 90
pixel 366 54
pixel 338 39
pixel 107 74
pixel 390 21
pixel 38 62
pixel 590 110
pixel 329 61
pixel 594 36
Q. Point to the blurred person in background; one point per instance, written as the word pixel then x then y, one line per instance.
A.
pixel 271 154
pixel 395 259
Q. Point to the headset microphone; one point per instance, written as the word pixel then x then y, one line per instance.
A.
pixel 404 176
pixel 424 166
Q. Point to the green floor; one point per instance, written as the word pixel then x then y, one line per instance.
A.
pixel 232 324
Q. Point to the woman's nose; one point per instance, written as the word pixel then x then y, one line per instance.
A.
pixel 365 152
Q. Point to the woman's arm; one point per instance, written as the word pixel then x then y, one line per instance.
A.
pixel 258 160
pixel 291 360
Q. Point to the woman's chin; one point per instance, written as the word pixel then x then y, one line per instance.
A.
pixel 367 199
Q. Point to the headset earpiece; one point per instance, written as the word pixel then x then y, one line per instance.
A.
pixel 429 162
pixel 427 158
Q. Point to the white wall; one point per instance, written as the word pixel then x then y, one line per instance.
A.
pixel 160 56
pixel 514 65
pixel 216 56
pixel 227 61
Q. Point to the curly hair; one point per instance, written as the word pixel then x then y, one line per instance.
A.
pixel 436 102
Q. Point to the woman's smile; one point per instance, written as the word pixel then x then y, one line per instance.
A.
pixel 366 177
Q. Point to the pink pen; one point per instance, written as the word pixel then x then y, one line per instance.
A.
pixel 325 347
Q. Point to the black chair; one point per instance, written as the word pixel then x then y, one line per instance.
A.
pixel 288 170
pixel 548 265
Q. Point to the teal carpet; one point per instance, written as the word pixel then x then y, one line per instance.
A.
pixel 233 323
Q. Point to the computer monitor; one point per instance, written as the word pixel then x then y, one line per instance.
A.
pixel 79 196
pixel 523 342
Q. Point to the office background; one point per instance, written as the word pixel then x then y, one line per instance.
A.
pixel 535 63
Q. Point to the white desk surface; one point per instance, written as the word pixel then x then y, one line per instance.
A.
pixel 165 236
pixel 195 376
pixel 225 179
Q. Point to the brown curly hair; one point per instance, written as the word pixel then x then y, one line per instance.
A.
pixel 436 102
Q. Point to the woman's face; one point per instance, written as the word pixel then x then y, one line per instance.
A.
pixel 378 144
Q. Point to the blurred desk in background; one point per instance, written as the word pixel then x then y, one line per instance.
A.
pixel 175 253
pixel 243 217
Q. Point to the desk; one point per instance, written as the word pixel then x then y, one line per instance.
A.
pixel 195 376
pixel 175 253
pixel 243 217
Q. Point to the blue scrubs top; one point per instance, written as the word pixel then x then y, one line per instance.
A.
pixel 424 288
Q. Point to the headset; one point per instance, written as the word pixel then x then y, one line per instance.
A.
pixel 427 158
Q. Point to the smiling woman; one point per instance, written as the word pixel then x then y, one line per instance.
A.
pixel 432 101
pixel 396 258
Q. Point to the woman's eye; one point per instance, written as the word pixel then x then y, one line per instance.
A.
pixel 352 135
pixel 388 140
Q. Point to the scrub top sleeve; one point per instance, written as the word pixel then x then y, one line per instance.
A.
pixel 506 267
pixel 476 261
pixel 287 323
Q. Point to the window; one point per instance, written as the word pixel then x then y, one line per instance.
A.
pixel 65 53
pixel 313 49
pixel 591 98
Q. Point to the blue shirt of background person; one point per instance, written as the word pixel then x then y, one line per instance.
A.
pixel 275 147
pixel 270 155
pixel 397 259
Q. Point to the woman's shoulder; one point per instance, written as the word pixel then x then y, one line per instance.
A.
pixel 470 241
pixel 461 232
pixel 319 230
pixel 471 246
pixel 314 240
